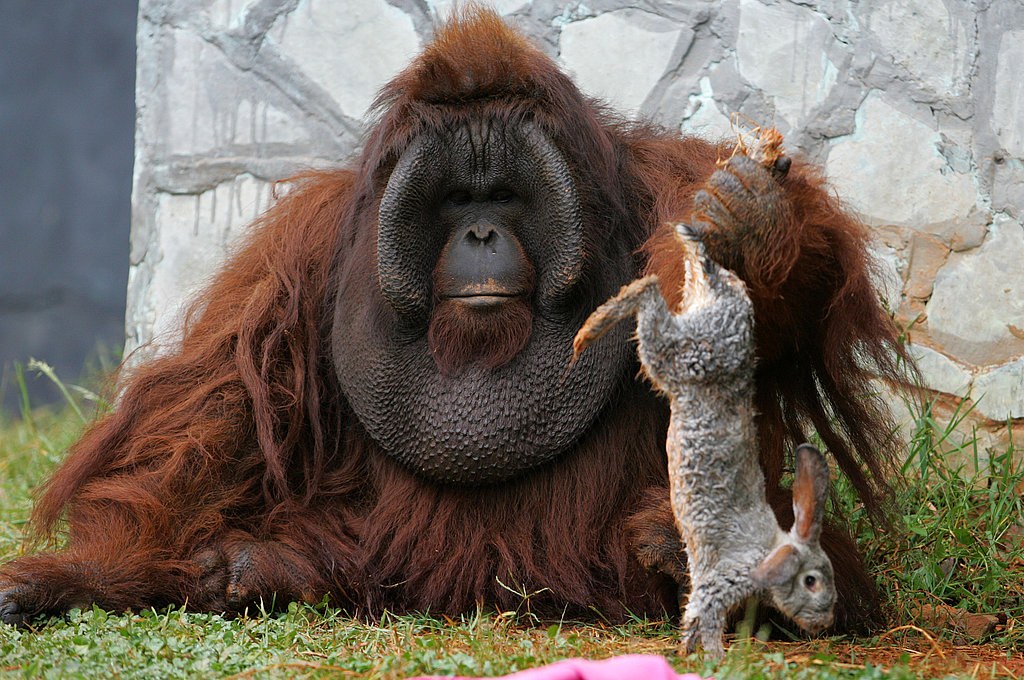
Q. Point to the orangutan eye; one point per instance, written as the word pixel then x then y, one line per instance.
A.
pixel 810 581
pixel 460 197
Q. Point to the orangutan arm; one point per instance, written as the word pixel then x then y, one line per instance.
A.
pixel 822 334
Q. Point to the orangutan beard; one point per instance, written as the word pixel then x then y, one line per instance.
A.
pixel 460 334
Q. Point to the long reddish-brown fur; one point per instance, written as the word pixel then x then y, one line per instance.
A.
pixel 241 437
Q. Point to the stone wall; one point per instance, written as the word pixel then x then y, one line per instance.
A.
pixel 914 107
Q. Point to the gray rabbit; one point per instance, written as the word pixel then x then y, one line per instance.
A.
pixel 702 359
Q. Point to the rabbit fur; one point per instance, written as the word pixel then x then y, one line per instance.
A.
pixel 702 359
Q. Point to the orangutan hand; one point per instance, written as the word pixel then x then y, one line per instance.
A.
pixel 238 573
pixel 746 221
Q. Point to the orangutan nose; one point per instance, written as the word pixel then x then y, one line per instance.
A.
pixel 483 263
pixel 481 235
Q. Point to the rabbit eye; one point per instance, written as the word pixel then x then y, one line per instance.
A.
pixel 810 581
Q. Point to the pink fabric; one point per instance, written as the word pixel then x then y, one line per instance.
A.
pixel 628 667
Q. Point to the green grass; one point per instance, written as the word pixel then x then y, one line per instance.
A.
pixel 961 539
pixel 321 643
pixel 961 545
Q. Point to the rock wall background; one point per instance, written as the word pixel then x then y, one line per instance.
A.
pixel 914 107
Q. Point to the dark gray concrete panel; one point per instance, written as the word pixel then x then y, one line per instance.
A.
pixel 67 118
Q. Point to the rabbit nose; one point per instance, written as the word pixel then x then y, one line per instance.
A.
pixel 816 624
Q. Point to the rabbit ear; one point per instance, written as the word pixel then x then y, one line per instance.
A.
pixel 810 491
pixel 780 566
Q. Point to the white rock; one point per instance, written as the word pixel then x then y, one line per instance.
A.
pixel 980 292
pixel 620 56
pixel 921 37
pixel 224 14
pixel 198 119
pixel 1008 107
pixel 999 393
pixel 781 50
pixel 443 8
pixel 350 48
pixel 193 235
pixel 703 118
pixel 885 275
pixel 939 372
pixel 891 172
